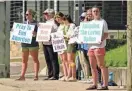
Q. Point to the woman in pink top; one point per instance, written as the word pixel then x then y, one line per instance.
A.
pixel 96 54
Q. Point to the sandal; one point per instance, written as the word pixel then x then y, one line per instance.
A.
pixel 63 78
pixel 35 78
pixel 103 88
pixel 21 79
pixel 92 87
pixel 71 79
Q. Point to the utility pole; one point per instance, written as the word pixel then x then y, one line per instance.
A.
pixel 129 45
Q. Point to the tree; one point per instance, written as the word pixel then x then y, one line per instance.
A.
pixel 129 45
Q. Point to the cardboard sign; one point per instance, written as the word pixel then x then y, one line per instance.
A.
pixel 44 31
pixel 58 42
pixel 22 33
pixel 90 32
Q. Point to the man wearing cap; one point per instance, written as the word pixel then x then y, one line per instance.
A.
pixel 51 57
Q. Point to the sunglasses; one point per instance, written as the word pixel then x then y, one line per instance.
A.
pixel 82 18
pixel 45 13
pixel 27 14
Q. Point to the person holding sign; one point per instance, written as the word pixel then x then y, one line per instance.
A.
pixel 96 52
pixel 87 17
pixel 31 49
pixel 67 56
pixel 83 48
pixel 51 57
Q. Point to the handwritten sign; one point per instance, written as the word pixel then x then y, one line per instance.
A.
pixel 44 31
pixel 90 32
pixel 58 42
pixel 22 33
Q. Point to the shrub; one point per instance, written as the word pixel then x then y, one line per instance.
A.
pixel 114 43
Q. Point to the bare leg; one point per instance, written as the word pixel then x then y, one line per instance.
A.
pixel 25 55
pixel 34 55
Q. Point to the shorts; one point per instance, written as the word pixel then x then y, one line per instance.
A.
pixel 96 51
pixel 30 48
pixel 71 48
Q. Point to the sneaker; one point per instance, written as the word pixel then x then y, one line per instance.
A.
pixel 47 78
pixel 53 78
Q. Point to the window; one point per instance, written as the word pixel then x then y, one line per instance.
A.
pixel 114 12
pixel 15 12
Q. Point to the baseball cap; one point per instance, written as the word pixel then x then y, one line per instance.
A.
pixel 83 14
pixel 49 11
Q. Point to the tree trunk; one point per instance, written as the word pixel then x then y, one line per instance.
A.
pixel 129 45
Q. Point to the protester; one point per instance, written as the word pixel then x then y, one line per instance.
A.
pixel 51 57
pixel 96 54
pixel 70 49
pixel 59 19
pixel 68 56
pixel 31 49
pixel 83 48
pixel 89 17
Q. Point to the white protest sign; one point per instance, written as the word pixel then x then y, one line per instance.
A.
pixel 74 36
pixel 22 33
pixel 58 42
pixel 44 31
pixel 91 32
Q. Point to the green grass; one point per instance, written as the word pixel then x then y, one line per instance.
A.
pixel 117 57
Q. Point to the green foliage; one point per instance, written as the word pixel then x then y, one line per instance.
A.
pixel 114 43
pixel 117 57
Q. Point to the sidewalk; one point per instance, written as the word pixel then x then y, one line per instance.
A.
pixel 10 84
pixel 41 85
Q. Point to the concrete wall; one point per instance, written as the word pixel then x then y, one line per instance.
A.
pixel 118 34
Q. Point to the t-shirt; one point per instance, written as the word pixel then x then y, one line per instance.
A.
pixel 34 43
pixel 105 30
pixel 84 46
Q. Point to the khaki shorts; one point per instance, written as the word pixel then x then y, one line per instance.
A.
pixel 30 48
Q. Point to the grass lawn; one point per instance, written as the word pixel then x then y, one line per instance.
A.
pixel 117 57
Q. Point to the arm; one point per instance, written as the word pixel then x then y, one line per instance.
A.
pixel 105 36
pixel 35 30
pixel 105 30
